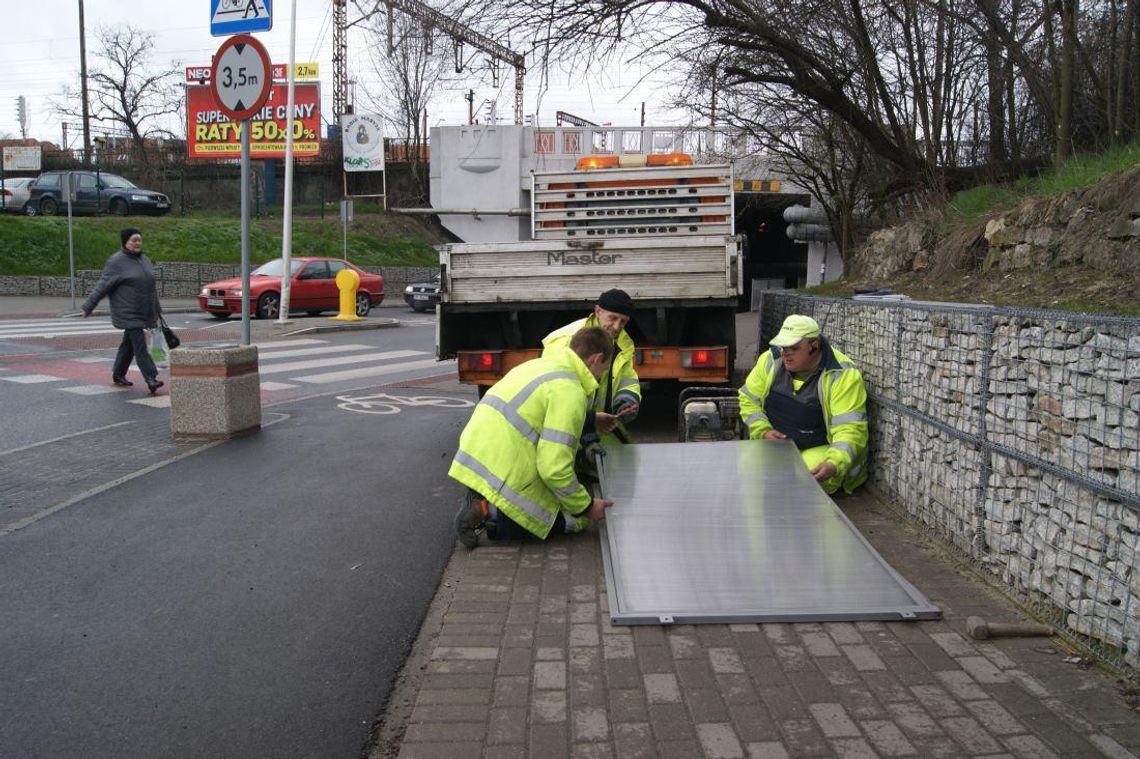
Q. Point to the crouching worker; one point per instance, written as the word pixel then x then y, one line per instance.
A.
pixel 516 454
pixel 806 390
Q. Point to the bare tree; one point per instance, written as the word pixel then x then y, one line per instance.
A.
pixel 408 69
pixel 126 91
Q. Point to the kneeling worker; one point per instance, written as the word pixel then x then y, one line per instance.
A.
pixel 806 390
pixel 516 454
pixel 618 397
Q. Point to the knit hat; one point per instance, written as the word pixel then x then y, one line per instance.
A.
pixel 127 234
pixel 796 327
pixel 617 301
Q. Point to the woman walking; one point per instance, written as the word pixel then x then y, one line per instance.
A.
pixel 128 278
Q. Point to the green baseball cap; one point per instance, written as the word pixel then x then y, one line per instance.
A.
pixel 796 327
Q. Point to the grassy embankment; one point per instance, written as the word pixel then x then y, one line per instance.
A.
pixel 39 245
pixel 1077 289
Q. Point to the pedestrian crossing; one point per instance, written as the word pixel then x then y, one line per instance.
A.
pixel 49 328
pixel 25 329
pixel 284 366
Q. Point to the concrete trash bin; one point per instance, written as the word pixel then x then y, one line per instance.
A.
pixel 215 393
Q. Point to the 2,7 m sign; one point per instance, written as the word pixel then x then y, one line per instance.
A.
pixel 212 135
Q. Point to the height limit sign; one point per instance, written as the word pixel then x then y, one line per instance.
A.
pixel 241 77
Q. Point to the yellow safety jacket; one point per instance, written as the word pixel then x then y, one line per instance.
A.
pixel 619 382
pixel 518 448
pixel 843 398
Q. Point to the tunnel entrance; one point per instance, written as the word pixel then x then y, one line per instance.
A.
pixel 769 255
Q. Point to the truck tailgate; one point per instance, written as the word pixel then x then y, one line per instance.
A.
pixel 560 270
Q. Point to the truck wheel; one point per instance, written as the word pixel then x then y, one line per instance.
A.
pixel 268 306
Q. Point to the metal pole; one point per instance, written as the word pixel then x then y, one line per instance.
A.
pixel 83 89
pixel 287 216
pixel 245 233
pixel 70 237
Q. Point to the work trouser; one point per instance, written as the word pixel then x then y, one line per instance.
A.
pixel 502 527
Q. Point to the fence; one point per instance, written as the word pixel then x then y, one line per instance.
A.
pixel 1013 435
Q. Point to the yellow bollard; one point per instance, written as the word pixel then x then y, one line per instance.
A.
pixel 347 281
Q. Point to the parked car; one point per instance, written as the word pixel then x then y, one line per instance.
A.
pixel 92 192
pixel 312 289
pixel 16 193
pixel 422 295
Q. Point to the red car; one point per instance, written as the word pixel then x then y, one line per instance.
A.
pixel 313 289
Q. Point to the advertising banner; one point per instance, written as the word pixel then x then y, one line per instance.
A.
pixel 363 137
pixel 211 135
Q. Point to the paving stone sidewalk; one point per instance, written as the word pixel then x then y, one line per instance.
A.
pixel 517 658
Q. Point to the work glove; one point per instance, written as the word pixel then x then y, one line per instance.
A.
pixel 592 446
pixel 623 403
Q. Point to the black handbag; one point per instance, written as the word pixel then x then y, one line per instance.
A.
pixel 172 340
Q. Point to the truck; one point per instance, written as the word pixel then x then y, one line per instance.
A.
pixel 662 231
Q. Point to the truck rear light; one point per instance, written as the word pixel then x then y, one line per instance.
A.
pixel 703 358
pixel 480 361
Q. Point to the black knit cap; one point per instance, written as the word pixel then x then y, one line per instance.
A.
pixel 617 301
pixel 127 234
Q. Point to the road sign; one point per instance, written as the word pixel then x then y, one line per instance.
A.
pixel 240 77
pixel 237 16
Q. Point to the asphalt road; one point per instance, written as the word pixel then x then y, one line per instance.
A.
pixel 254 598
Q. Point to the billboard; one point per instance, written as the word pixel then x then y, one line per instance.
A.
pixel 21 158
pixel 211 135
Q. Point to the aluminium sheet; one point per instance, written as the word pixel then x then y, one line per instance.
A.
pixel 737 531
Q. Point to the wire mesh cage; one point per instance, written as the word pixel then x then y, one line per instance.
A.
pixel 1014 436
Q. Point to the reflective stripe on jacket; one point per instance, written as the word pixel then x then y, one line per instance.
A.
pixel 621 373
pixel 518 448
pixel 843 397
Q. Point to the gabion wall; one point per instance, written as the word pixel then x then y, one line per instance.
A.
pixel 1013 435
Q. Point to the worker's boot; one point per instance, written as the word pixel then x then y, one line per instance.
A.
pixel 471 518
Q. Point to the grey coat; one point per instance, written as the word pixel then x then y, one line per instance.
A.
pixel 129 281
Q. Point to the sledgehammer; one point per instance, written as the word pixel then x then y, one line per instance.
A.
pixel 979 629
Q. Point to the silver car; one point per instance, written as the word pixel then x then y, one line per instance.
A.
pixel 15 193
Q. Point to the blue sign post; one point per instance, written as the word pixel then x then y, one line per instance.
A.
pixel 240 16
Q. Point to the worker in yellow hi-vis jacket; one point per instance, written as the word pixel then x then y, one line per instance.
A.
pixel 516 454
pixel 804 389
pixel 618 398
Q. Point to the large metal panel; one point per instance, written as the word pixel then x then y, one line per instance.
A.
pixel 737 531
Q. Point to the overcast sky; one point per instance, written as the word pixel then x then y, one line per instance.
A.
pixel 39 55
